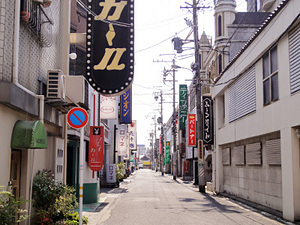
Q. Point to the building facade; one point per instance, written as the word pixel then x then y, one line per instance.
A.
pixel 256 101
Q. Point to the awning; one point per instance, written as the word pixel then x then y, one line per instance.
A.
pixel 29 134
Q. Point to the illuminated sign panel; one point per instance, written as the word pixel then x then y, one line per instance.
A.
pixel 110 45
pixel 126 107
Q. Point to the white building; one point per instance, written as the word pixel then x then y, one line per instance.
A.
pixel 257 120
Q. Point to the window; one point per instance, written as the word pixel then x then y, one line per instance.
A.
pixel 294 51
pixel 219 26
pixel 270 76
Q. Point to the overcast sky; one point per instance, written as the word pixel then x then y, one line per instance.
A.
pixel 156 23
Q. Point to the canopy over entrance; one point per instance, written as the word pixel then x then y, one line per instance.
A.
pixel 29 134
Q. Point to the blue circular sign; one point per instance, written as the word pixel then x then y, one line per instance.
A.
pixel 77 117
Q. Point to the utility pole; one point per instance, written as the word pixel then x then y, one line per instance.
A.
pixel 198 85
pixel 174 125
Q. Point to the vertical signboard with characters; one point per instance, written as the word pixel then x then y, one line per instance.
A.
pixel 132 135
pixel 168 155
pixel 208 134
pixel 122 140
pixel 96 148
pixel 110 45
pixel 192 130
pixel 126 107
pixel 108 108
pixel 182 105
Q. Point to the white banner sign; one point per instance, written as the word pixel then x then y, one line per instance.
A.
pixel 111 173
pixel 122 140
pixel 108 107
pixel 132 135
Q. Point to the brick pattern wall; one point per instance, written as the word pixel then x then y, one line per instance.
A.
pixel 6 39
pixel 35 60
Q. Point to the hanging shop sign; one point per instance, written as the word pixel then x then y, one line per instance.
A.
pixel 126 110
pixel 186 167
pixel 191 129
pixel 122 140
pixel 108 108
pixel 110 45
pixel 132 135
pixel 96 148
pixel 200 151
pixel 208 135
pixel 182 105
pixel 168 155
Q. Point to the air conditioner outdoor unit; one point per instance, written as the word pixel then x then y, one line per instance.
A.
pixel 56 85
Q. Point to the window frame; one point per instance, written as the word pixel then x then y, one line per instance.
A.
pixel 270 73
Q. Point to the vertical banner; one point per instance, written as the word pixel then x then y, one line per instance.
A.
pixel 192 130
pixel 208 135
pixel 127 155
pixel 182 105
pixel 186 167
pixel 160 146
pixel 168 155
pixel 110 45
pixel 111 173
pixel 122 140
pixel 132 135
pixel 126 107
pixel 108 108
pixel 96 148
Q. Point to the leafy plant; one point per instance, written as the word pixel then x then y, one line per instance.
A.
pixel 120 168
pixel 55 203
pixel 10 212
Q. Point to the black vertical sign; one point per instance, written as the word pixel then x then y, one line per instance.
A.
pixel 110 45
pixel 208 133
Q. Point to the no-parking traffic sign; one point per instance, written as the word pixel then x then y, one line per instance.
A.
pixel 77 117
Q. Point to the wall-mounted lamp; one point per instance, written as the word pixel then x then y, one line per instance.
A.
pixel 298 133
pixel 73 56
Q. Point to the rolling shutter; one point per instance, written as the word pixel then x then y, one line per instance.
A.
pixel 226 156
pixel 273 152
pixel 294 50
pixel 239 155
pixel 253 154
pixel 242 96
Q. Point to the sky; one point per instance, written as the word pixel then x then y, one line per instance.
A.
pixel 157 22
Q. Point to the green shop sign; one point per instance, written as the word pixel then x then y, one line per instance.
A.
pixel 182 105
pixel 168 152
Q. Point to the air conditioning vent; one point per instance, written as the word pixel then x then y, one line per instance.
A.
pixel 55 85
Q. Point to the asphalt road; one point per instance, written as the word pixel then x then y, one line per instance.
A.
pixel 149 198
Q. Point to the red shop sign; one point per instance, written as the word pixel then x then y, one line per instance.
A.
pixel 191 129
pixel 96 148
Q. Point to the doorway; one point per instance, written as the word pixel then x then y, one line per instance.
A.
pixel 15 171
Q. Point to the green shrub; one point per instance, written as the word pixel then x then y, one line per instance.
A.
pixel 55 203
pixel 10 212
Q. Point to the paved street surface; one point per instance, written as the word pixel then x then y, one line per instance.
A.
pixel 146 197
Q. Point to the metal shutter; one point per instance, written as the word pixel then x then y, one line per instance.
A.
pixel 273 152
pixel 239 155
pixel 226 156
pixel 253 154
pixel 242 96
pixel 294 50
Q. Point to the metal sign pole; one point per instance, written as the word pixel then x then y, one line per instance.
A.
pixel 81 174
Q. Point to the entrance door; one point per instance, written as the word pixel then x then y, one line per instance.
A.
pixel 15 171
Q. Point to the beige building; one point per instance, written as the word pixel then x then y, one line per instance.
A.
pixel 257 101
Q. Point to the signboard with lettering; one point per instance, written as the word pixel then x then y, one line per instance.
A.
pixel 126 110
pixel 110 45
pixel 208 135
pixel 200 151
pixel 111 173
pixel 132 135
pixel 191 129
pixel 182 105
pixel 168 155
pixel 96 148
pixel 122 140
pixel 108 108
